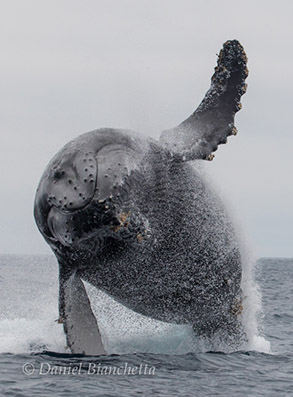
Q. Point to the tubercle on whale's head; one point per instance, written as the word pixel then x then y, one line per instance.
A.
pixel 67 185
pixel 99 223
pixel 70 180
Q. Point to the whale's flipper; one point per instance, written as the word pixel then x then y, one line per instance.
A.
pixel 80 325
pixel 213 121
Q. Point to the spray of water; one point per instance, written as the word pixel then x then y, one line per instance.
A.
pixel 29 309
pixel 251 294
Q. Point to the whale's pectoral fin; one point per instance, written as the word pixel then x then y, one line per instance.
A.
pixel 213 121
pixel 80 325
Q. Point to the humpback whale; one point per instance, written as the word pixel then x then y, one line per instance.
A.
pixel 134 217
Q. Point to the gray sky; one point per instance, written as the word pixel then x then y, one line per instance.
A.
pixel 70 66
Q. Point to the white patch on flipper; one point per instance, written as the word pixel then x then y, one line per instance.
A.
pixel 83 334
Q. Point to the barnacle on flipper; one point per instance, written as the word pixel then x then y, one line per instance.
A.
pixel 234 131
pixel 213 121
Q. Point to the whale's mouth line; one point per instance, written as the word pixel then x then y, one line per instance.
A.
pixel 72 228
pixel 90 227
pixel 109 220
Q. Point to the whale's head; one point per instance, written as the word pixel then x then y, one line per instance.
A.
pixel 85 196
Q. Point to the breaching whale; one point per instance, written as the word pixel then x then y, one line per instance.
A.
pixel 135 218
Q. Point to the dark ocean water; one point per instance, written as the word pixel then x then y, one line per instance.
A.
pixel 35 362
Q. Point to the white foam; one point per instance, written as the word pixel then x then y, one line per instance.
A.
pixel 21 335
pixel 29 305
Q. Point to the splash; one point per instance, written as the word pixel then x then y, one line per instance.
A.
pixel 252 305
pixel 124 331
pixel 29 305
pixel 251 294
pixel 22 335
pixel 29 309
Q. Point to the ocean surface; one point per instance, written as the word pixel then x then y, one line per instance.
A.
pixel 146 357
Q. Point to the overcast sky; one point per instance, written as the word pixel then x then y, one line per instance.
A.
pixel 71 66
